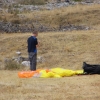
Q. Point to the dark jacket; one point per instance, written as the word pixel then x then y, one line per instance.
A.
pixel 32 42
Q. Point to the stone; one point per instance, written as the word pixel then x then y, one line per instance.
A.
pixel 15 28
pixel 18 53
pixel 26 63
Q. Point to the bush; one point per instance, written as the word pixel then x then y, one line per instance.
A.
pixel 12 65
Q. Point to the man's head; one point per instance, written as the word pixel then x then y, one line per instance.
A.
pixel 35 33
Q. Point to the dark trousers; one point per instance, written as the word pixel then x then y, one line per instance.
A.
pixel 33 60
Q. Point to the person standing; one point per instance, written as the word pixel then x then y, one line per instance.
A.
pixel 32 50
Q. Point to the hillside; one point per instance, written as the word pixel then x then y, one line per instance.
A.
pixel 41 1
pixel 34 2
pixel 77 17
pixel 66 45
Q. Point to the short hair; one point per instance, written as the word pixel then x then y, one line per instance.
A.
pixel 35 32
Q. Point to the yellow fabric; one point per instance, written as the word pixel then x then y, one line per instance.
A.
pixel 69 72
pixel 57 76
pixel 52 73
pixel 59 71
pixel 79 72
pixel 63 72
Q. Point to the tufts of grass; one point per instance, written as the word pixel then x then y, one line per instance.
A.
pixel 12 65
pixel 74 15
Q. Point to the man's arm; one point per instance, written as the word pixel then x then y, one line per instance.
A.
pixel 37 43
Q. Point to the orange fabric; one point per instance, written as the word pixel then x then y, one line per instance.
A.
pixel 38 70
pixel 26 74
pixel 47 70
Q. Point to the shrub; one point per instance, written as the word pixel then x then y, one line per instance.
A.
pixel 12 65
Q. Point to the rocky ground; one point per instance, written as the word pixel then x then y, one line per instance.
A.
pixel 47 6
pixel 9 27
pixel 15 28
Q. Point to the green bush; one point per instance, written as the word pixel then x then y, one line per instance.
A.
pixel 12 65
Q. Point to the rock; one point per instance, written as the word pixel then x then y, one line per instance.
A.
pixel 26 63
pixel 18 59
pixel 15 28
pixel 18 53
pixel 73 27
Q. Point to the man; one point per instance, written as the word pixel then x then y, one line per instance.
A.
pixel 32 50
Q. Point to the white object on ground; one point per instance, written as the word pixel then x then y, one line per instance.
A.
pixel 18 53
pixel 26 63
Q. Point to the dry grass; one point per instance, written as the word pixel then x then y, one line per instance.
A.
pixel 60 49
pixel 77 15
pixel 69 88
